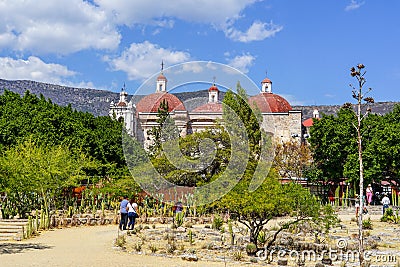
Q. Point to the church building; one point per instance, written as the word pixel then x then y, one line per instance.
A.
pixel 278 117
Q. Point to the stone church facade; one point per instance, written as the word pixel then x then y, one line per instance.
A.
pixel 278 117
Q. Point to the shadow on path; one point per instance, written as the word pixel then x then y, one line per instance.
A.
pixel 13 248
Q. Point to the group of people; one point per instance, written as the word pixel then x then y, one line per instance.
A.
pixel 128 212
pixel 367 201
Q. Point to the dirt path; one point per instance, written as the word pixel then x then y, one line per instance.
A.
pixel 81 246
pixel 89 246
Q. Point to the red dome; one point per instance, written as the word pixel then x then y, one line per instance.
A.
pixel 213 88
pixel 121 104
pixel 161 77
pixel 266 80
pixel 209 107
pixel 151 103
pixel 269 102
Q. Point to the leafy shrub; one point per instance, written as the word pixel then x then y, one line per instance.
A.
pixel 262 238
pixel 120 241
pixel 153 248
pixel 138 246
pixel 251 249
pixel 171 247
pixel 389 216
pixel 253 260
pixel 237 255
pixel 217 222
pixel 179 219
pixel 367 224
pixel 389 212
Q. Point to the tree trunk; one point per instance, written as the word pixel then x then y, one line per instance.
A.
pixel 360 212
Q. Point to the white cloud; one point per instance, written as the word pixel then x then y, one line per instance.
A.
pixel 61 27
pixel 242 63
pixel 67 26
pixel 221 14
pixel 211 65
pixel 151 11
pixel 256 32
pixel 354 5
pixel 141 60
pixel 192 67
pixel 33 69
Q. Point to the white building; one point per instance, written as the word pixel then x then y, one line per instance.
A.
pixel 278 116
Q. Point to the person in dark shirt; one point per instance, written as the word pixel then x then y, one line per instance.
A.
pixel 123 210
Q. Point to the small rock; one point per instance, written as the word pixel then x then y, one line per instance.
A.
pixel 282 262
pixel 189 257
pixel 327 261
pixel 319 265
pixel 376 238
pixel 181 229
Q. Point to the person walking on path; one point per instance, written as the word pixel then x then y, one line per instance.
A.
pixel 369 193
pixel 385 202
pixel 123 210
pixel 132 214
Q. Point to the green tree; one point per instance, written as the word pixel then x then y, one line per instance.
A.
pixel 332 141
pixel 164 131
pixel 30 172
pixel 270 199
pixel 381 143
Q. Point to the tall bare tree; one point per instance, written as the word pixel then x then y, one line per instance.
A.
pixel 359 94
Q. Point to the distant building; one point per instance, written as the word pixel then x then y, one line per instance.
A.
pixel 308 123
pixel 278 116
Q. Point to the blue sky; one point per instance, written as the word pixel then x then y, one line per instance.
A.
pixel 307 47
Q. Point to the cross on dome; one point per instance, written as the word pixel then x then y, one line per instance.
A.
pixel 161 80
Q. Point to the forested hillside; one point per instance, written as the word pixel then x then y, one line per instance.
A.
pixel 47 123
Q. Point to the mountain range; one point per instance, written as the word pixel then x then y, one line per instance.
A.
pixel 98 102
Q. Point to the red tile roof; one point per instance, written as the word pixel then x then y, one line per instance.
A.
pixel 269 102
pixel 151 103
pixel 308 122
